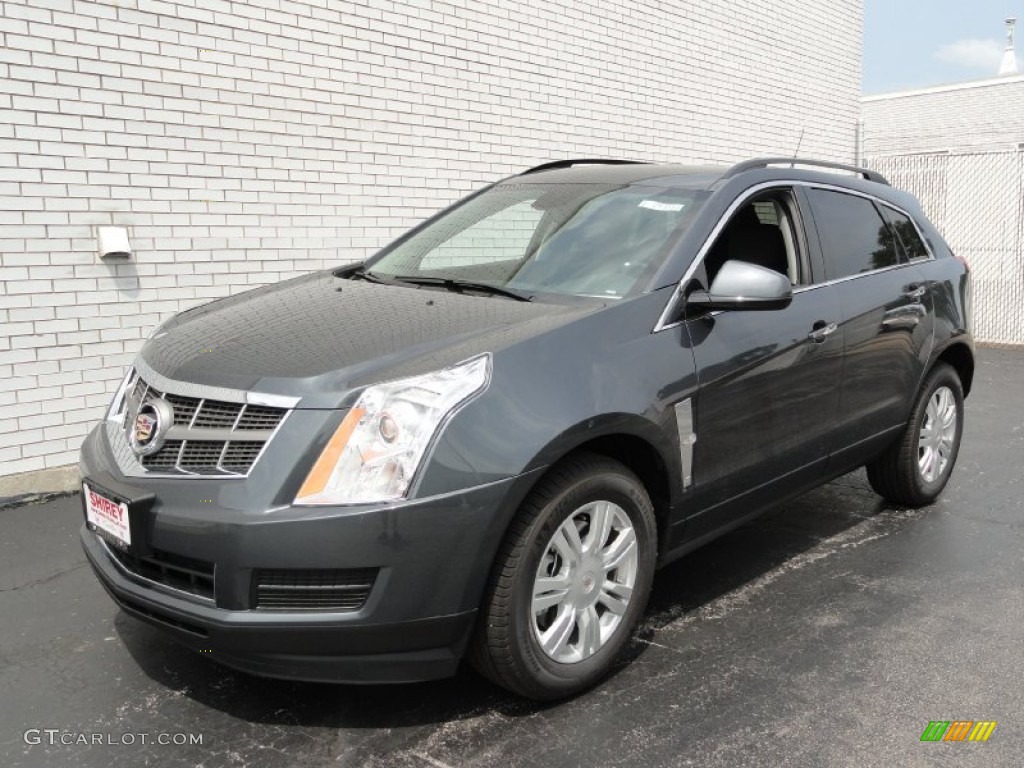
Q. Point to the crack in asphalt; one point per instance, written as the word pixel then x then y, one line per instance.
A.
pixel 46 579
pixel 26 499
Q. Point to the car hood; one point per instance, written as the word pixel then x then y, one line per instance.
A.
pixel 318 337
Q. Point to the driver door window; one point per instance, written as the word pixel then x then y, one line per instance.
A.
pixel 761 232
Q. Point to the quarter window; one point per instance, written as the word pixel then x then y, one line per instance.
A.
pixel 854 237
pixel 913 246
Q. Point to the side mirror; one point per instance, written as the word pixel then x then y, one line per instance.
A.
pixel 742 285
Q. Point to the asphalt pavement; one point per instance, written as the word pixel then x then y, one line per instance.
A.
pixel 827 633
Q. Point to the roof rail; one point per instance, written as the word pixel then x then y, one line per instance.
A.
pixel 554 164
pixel 764 162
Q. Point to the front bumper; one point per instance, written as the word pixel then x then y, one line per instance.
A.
pixel 431 558
pixel 322 648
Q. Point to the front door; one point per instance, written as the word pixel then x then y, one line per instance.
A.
pixel 769 380
pixel 766 406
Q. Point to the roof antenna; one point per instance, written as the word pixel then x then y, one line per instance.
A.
pixel 798 143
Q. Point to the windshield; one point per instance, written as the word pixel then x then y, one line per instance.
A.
pixel 572 239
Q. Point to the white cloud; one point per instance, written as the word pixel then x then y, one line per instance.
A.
pixel 972 53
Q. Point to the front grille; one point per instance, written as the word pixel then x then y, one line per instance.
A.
pixel 240 455
pixel 217 415
pixel 259 417
pixel 184 408
pixel 312 590
pixel 165 458
pixel 185 574
pixel 209 437
pixel 200 455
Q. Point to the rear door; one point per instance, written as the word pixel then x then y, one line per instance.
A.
pixel 886 315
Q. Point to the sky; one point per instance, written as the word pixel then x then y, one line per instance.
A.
pixel 917 43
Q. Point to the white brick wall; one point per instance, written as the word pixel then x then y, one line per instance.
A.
pixel 985 114
pixel 244 142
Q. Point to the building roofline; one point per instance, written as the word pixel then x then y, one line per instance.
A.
pixel 1004 80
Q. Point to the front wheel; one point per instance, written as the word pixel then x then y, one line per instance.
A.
pixel 571 580
pixel 914 470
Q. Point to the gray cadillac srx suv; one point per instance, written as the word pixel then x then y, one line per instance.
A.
pixel 485 439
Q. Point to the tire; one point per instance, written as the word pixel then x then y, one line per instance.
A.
pixel 902 474
pixel 584 635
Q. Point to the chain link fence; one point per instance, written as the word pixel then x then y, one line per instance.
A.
pixel 976 199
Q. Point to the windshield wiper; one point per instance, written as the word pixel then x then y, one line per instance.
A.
pixel 362 273
pixel 448 283
pixel 457 285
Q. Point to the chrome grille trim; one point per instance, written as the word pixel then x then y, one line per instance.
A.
pixel 195 413
pixel 202 391
pixel 199 456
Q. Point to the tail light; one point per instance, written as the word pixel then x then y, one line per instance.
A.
pixel 962 260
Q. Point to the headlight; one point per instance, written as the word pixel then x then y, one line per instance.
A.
pixel 378 447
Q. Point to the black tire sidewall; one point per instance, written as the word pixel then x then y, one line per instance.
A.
pixel 625 491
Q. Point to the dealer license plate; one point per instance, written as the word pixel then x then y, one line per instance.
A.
pixel 108 517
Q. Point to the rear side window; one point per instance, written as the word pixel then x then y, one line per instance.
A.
pixel 854 237
pixel 907 233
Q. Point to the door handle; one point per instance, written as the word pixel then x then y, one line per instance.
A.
pixel 915 291
pixel 821 331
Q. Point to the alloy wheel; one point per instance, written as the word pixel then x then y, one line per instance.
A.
pixel 584 582
pixel 938 433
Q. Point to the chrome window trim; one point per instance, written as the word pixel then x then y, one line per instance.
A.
pixel 156 585
pixel 702 252
pixel 880 270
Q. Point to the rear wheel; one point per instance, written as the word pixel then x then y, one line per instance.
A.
pixel 571 580
pixel 914 470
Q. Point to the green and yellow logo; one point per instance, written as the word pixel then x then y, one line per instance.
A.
pixel 958 730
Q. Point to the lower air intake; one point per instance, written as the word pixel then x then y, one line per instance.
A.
pixel 312 590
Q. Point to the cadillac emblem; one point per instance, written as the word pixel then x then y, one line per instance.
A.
pixel 146 434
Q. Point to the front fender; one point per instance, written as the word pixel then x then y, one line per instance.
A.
pixel 610 425
pixel 600 375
